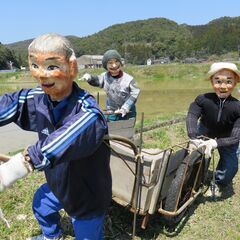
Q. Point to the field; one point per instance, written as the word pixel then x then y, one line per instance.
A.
pixel 206 219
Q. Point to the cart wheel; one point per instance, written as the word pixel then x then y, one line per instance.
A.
pixel 181 188
pixel 172 197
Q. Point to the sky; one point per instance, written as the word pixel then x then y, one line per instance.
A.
pixel 24 19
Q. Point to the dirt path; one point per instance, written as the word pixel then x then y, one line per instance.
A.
pixel 13 138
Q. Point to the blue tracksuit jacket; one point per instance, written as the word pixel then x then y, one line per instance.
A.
pixel 71 151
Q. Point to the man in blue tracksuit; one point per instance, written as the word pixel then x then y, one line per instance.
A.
pixel 70 150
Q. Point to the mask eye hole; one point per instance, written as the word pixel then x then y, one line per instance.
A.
pixel 217 81
pixel 34 65
pixel 52 67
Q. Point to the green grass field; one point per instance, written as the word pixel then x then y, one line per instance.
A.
pixel 206 219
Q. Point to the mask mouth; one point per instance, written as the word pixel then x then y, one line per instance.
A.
pixel 47 85
pixel 113 69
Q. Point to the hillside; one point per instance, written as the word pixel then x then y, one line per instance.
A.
pixel 155 37
pixel 143 38
pixel 218 36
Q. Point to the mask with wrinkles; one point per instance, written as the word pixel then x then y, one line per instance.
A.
pixel 53 73
pixel 223 83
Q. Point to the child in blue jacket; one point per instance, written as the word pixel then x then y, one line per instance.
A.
pixel 70 150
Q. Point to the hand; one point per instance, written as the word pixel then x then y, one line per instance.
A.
pixel 15 168
pixel 122 111
pixel 85 77
pixel 109 111
pixel 210 145
pixel 194 144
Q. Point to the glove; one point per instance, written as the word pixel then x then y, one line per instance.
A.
pixel 210 145
pixel 194 144
pixel 85 77
pixel 15 168
pixel 110 111
pixel 122 111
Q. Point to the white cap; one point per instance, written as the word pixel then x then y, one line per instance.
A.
pixel 216 67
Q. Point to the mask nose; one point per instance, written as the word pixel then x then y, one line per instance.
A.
pixel 223 85
pixel 41 73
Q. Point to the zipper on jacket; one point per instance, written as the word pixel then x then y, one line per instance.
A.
pixel 221 103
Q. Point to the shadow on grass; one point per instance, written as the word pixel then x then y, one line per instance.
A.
pixel 119 221
pixel 119 225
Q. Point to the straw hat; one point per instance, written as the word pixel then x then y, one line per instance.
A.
pixel 216 67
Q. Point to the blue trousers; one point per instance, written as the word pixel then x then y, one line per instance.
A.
pixel 228 163
pixel 46 210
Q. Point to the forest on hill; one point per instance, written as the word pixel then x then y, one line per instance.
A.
pixel 151 38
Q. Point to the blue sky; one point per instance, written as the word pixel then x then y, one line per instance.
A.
pixel 25 19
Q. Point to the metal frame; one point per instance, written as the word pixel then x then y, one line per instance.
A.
pixel 134 204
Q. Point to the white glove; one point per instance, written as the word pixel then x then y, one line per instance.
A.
pixel 210 145
pixel 109 111
pixel 194 144
pixel 15 168
pixel 85 77
pixel 122 111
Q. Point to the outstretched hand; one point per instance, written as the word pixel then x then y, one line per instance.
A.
pixel 85 77
pixel 15 168
pixel 122 111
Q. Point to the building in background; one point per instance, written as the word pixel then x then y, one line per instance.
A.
pixel 89 61
pixel 162 60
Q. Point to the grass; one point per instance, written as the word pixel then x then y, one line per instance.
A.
pixel 206 218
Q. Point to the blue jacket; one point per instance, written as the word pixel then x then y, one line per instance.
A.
pixel 71 150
